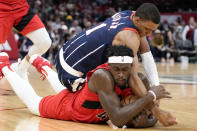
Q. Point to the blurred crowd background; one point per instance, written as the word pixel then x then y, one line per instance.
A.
pixel 175 37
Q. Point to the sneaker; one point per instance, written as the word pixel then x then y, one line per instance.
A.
pixel 4 61
pixel 38 62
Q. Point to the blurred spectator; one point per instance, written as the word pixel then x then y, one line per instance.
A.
pixel 157 46
pixel 24 46
pixel 164 26
pixel 65 34
pixel 195 38
pixel 72 32
pixel 172 52
pixel 178 29
pixel 76 27
pixel 189 29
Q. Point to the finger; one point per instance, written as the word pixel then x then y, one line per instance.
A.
pixel 167 96
pixel 176 120
pixel 164 123
pixel 167 92
pixel 173 122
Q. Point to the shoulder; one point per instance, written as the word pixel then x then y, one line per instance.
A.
pixel 101 79
pixel 101 74
pixel 129 32
pixel 127 37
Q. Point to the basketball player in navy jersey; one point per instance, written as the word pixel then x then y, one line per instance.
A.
pixel 87 49
pixel 98 100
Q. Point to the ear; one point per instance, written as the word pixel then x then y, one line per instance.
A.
pixel 137 19
pixel 109 65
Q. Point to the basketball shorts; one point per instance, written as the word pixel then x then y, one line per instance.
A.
pixel 20 16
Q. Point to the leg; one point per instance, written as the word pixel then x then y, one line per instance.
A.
pixel 41 40
pixel 53 79
pixel 43 66
pixel 21 87
pixel 23 90
pixel 42 43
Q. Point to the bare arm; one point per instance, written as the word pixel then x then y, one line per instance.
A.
pixel 144 46
pixel 102 83
pixel 135 82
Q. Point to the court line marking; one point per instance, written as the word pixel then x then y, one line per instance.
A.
pixel 178 83
pixel 6 109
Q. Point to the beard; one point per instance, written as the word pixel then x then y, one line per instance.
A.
pixel 124 86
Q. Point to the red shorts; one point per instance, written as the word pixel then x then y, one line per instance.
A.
pixel 18 15
pixel 50 106
pixel 69 106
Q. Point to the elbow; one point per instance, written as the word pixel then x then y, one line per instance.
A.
pixel 117 121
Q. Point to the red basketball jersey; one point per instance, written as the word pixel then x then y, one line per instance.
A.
pixel 82 106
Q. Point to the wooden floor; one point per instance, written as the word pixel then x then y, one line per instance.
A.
pixel 180 80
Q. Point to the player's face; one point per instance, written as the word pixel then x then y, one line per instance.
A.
pixel 120 73
pixel 145 28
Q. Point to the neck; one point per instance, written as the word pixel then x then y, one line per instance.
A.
pixel 133 18
pixel 135 24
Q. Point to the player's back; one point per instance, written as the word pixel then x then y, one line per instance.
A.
pixel 86 50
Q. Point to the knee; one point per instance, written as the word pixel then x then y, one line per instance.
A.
pixel 34 111
pixel 44 44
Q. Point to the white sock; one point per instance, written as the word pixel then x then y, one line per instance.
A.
pixel 53 79
pixel 23 90
pixel 24 65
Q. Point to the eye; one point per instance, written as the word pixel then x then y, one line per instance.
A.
pixel 115 69
pixel 125 69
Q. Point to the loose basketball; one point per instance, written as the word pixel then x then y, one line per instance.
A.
pixel 127 100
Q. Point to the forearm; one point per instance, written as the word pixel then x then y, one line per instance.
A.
pixel 150 68
pixel 120 116
pixel 137 86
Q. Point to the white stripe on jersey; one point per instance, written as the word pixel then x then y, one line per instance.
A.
pixel 66 67
pixel 75 50
pixel 87 55
pixel 74 41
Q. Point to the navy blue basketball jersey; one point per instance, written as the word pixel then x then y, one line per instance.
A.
pixel 86 50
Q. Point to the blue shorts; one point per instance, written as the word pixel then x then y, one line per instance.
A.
pixel 71 80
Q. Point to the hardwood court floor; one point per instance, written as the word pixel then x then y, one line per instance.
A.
pixel 180 81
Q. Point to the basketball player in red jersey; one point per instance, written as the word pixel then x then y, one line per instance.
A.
pixel 17 14
pixel 98 100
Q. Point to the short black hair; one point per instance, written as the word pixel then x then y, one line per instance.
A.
pixel 119 50
pixel 148 11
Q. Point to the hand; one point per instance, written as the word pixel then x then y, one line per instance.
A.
pixel 160 92
pixel 166 118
